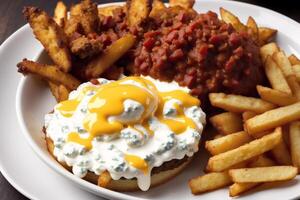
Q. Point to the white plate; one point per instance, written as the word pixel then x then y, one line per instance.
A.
pixel 35 180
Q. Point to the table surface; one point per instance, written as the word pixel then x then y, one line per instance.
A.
pixel 11 19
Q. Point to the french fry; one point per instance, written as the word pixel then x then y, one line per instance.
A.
pixel 265 35
pixel 283 63
pixel 247 115
pixel 252 28
pixel 75 10
pixel 237 103
pixel 230 18
pixel 63 93
pixel 227 123
pixel 49 73
pixel 157 7
pixel 227 142
pixel 115 51
pixel 107 10
pixel 281 154
pixel 60 14
pixel 276 77
pixel 239 188
pixel 294 85
pixel 138 10
pixel 295 143
pixel 54 90
pixel 50 35
pixel 266 174
pixel 273 118
pixel 296 69
pixel 209 182
pixel 104 179
pixel 268 50
pixel 294 60
pixel 187 4
pixel 88 15
pixel 275 96
pixel 255 148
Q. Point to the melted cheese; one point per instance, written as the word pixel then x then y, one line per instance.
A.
pixel 108 101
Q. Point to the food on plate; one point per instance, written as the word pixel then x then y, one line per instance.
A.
pixel 276 77
pixel 273 118
pixel 266 174
pixel 237 103
pixel 255 148
pixel 60 14
pixel 228 142
pixel 210 181
pixel 295 143
pixel 48 72
pixel 99 64
pixel 129 128
pixel 129 80
pixel 227 123
pixel 50 35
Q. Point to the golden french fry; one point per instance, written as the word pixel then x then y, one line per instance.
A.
pixel 115 51
pixel 265 35
pixel 227 123
pixel 49 73
pixel 107 10
pixel 296 69
pixel 295 143
pixel 268 50
pixel 60 14
pixel 283 63
pixel 275 96
pixel 75 10
pixel 50 35
pixel 138 10
pixel 294 60
pixel 294 85
pixel 281 154
pixel 209 182
pixel 247 115
pixel 263 174
pixel 88 16
pixel 255 148
pixel 230 18
pixel 239 188
pixel 276 77
pixel 157 8
pixel 252 28
pixel 227 142
pixel 104 179
pixel 237 103
pixel 63 93
pixel 54 90
pixel 187 4
pixel 273 118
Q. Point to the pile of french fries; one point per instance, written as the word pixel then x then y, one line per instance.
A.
pixel 258 140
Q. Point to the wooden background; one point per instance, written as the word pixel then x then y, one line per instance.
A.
pixel 11 19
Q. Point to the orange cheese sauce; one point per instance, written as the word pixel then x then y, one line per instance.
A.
pixel 108 101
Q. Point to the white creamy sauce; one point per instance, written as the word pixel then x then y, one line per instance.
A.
pixel 108 152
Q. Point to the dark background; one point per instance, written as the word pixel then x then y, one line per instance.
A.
pixel 11 19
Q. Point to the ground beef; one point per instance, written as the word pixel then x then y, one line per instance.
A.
pixel 203 53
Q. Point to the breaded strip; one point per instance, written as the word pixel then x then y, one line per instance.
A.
pixel 138 10
pixel 89 16
pixel 85 47
pixel 49 73
pixel 60 14
pixel 50 35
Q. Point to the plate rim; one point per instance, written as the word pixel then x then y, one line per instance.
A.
pixel 21 29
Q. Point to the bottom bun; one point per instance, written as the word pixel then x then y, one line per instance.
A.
pixel 126 185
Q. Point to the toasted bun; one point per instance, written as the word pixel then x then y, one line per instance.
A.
pixel 126 185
